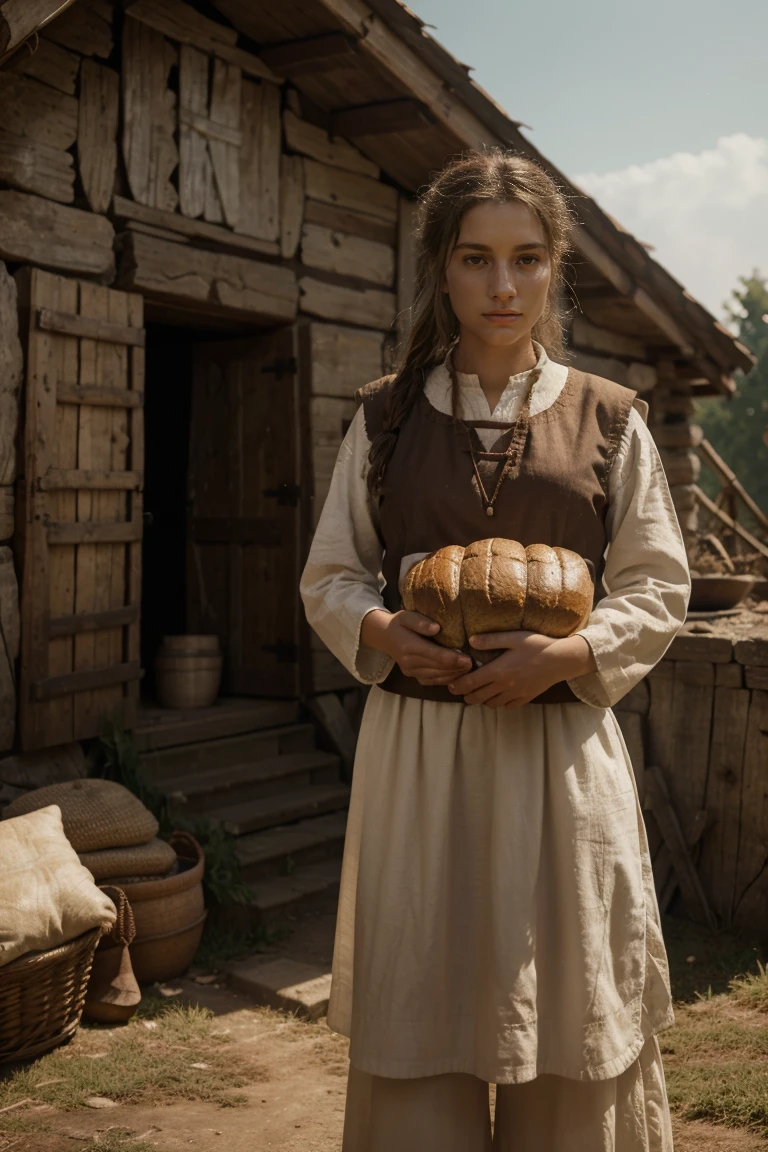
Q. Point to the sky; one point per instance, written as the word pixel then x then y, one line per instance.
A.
pixel 659 110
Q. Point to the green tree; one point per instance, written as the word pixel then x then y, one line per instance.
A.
pixel 736 428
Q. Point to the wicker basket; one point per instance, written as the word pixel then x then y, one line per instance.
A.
pixel 42 996
pixel 96 813
pixel 169 915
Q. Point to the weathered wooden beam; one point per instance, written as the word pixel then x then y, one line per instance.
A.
pixel 260 161
pixel 311 54
pixel 350 221
pixel 187 275
pixel 369 307
pixel 97 132
pixel 95 678
pixel 48 62
pixel 313 141
pixel 93 621
pixel 347 255
pixel 91 479
pixel 85 28
pixel 34 167
pixel 185 25
pixel 348 190
pixel 92 532
pixel 385 116
pixel 149 116
pixel 35 111
pixel 719 466
pixel 68 324
pixel 291 204
pixel 11 370
pixel 41 232
pixel 20 19
pixel 124 209
pixel 99 397
pixel 729 522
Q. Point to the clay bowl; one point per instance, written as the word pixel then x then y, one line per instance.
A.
pixel 760 590
pixel 713 593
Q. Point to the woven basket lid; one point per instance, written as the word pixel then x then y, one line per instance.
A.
pixel 96 813
pixel 153 859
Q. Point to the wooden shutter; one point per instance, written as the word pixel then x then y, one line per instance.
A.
pixel 83 477
pixel 246 509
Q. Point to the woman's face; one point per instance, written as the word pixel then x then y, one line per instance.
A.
pixel 498 274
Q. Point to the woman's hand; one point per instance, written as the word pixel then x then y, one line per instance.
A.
pixel 404 637
pixel 531 664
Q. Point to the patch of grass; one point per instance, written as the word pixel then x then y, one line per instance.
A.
pixel 135 1064
pixel 736 1096
pixel 751 989
pixel 121 1142
pixel 719 958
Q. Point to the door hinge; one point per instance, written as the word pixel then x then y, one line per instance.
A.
pixel 282 366
pixel 287 495
pixel 285 650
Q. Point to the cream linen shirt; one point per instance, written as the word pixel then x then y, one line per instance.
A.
pixel 646 571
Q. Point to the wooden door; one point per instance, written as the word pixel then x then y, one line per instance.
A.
pixel 246 509
pixel 80 548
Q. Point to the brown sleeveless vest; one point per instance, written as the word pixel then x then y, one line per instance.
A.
pixel 430 497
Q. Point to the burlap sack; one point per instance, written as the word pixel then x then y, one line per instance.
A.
pixel 96 813
pixel 47 897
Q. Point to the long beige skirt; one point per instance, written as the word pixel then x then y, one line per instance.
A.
pixel 450 1113
pixel 497 914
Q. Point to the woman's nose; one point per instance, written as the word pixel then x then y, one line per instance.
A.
pixel 502 283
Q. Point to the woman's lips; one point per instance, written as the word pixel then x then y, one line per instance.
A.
pixel 502 317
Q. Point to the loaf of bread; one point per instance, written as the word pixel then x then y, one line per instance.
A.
pixel 499 586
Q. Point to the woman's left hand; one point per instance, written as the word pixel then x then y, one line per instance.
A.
pixel 531 664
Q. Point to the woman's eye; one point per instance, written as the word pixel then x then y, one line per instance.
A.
pixel 476 260
pixel 529 259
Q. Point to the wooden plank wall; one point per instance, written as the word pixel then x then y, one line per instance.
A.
pixel 702 717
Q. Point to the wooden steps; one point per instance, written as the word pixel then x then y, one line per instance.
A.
pixel 253 767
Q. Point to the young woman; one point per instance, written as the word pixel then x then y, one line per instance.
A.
pixel 497 917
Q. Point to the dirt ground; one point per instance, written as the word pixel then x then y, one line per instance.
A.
pixel 295 1102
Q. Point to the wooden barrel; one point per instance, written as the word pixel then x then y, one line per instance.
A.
pixel 169 915
pixel 188 671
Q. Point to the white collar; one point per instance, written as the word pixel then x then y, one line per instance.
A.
pixel 473 402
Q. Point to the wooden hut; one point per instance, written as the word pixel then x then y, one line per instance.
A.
pixel 205 247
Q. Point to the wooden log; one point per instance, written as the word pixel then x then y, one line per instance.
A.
pixel 158 233
pixel 723 798
pixel 380 118
pixel 348 190
pixel 369 307
pixel 20 19
pixel 33 167
pixel 185 25
pixel 71 324
pixel 99 397
pixel 291 204
pixel 225 283
pixel 593 339
pixel 679 435
pixel 260 161
pixel 149 116
pixel 37 112
pixel 197 193
pixel 680 466
pixel 307 54
pixel 48 63
pixel 97 133
pixel 701 649
pixel 37 231
pixel 351 222
pixel 309 140
pixel 225 153
pixel 734 525
pixel 756 678
pixel 751 890
pixel 86 28
pixel 198 230
pixel 7 511
pixel 343 359
pixel 754 652
pixel 10 629
pixel 347 255
pixel 729 676
pixel 716 462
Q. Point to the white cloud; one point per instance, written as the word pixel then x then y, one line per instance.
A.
pixel 706 214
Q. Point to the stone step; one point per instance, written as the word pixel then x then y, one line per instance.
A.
pixel 288 985
pixel 242 783
pixel 168 769
pixel 229 716
pixel 275 896
pixel 270 811
pixel 269 853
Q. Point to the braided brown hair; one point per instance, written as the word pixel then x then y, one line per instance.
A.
pixel 498 176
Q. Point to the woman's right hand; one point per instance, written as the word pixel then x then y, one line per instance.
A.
pixel 404 637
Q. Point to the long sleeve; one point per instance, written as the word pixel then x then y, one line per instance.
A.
pixel 646 575
pixel 342 579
